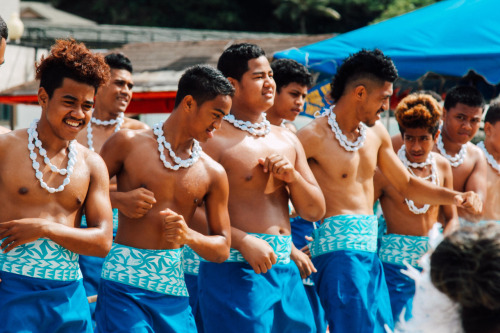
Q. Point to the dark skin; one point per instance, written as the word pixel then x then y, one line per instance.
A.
pixel 30 211
pixel 165 224
pixel 263 172
pixel 400 220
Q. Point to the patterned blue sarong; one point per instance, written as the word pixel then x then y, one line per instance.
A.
pixel 42 290
pixel 233 298
pixel 350 279
pixel 144 291
pixel 92 266
pixel 191 267
pixel 300 229
pixel 394 250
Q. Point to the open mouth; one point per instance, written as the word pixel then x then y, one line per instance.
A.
pixel 73 123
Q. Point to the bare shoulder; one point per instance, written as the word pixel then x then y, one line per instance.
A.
pixel 215 170
pixel 134 124
pixel 441 162
pixel 92 159
pixel 11 140
pixel 474 152
pixel 315 131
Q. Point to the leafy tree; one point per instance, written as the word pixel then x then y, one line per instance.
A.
pixel 301 9
pixel 400 7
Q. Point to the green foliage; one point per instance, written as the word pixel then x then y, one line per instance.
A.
pixel 299 10
pixel 400 7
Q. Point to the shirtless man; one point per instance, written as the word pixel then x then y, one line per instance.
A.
pixel 46 180
pixel 408 223
pixel 292 82
pixel 142 284
pixel 491 150
pixel 111 101
pixel 258 289
pixel 343 148
pixel 463 108
pixel 4 34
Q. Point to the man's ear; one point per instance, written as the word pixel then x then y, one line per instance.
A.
pixel 234 82
pixel 188 103
pixel 436 135
pixel 360 91
pixel 487 129
pixel 43 97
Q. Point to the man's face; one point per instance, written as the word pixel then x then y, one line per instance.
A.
pixel 419 143
pixel 289 101
pixel 256 87
pixel 375 102
pixel 461 122
pixel 492 138
pixel 117 94
pixel 69 109
pixel 208 117
pixel 3 45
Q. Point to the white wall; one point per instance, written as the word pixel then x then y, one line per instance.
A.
pixel 8 7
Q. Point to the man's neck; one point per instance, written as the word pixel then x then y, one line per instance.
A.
pixel 174 134
pixel 491 149
pixel 273 118
pixel 451 147
pixel 346 117
pixel 101 114
pixel 247 115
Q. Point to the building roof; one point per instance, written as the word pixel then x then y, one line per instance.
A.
pixel 32 11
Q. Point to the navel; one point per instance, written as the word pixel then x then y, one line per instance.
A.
pixel 344 175
pixel 248 178
pixel 22 190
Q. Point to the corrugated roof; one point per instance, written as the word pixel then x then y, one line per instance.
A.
pixel 38 11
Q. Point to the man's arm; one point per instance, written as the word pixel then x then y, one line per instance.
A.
pixel 413 188
pixel 476 182
pixel 95 240
pixel 135 203
pixel 214 246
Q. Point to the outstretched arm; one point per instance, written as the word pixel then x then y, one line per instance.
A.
pixel 416 189
pixel 476 183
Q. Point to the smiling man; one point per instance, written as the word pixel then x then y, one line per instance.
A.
pixel 142 285
pixel 408 223
pixel 46 180
pixel 344 147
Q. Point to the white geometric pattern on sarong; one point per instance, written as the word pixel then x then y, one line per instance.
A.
pixel 43 259
pixel 155 270
pixel 345 232
pixel 83 223
pixel 396 248
pixel 282 246
pixel 190 261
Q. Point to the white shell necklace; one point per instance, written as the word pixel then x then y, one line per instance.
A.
pixel 33 142
pixel 491 161
pixel 118 121
pixel 162 144
pixel 342 139
pixel 256 129
pixel 454 160
pixel 433 176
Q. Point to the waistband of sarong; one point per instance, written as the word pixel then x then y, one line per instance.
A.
pixel 345 232
pixel 190 261
pixel 43 259
pixel 83 223
pixel 396 249
pixel 154 270
pixel 282 246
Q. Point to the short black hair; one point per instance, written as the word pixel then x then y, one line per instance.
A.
pixel 286 71
pixel 4 31
pixel 373 65
pixel 204 83
pixel 467 95
pixel 493 114
pixel 233 62
pixel 118 61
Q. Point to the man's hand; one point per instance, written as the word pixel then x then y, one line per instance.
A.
pixel 175 228
pixel 303 262
pixel 136 203
pixel 259 254
pixel 19 232
pixel 470 201
pixel 280 167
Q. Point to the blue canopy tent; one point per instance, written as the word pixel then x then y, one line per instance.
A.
pixel 450 38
